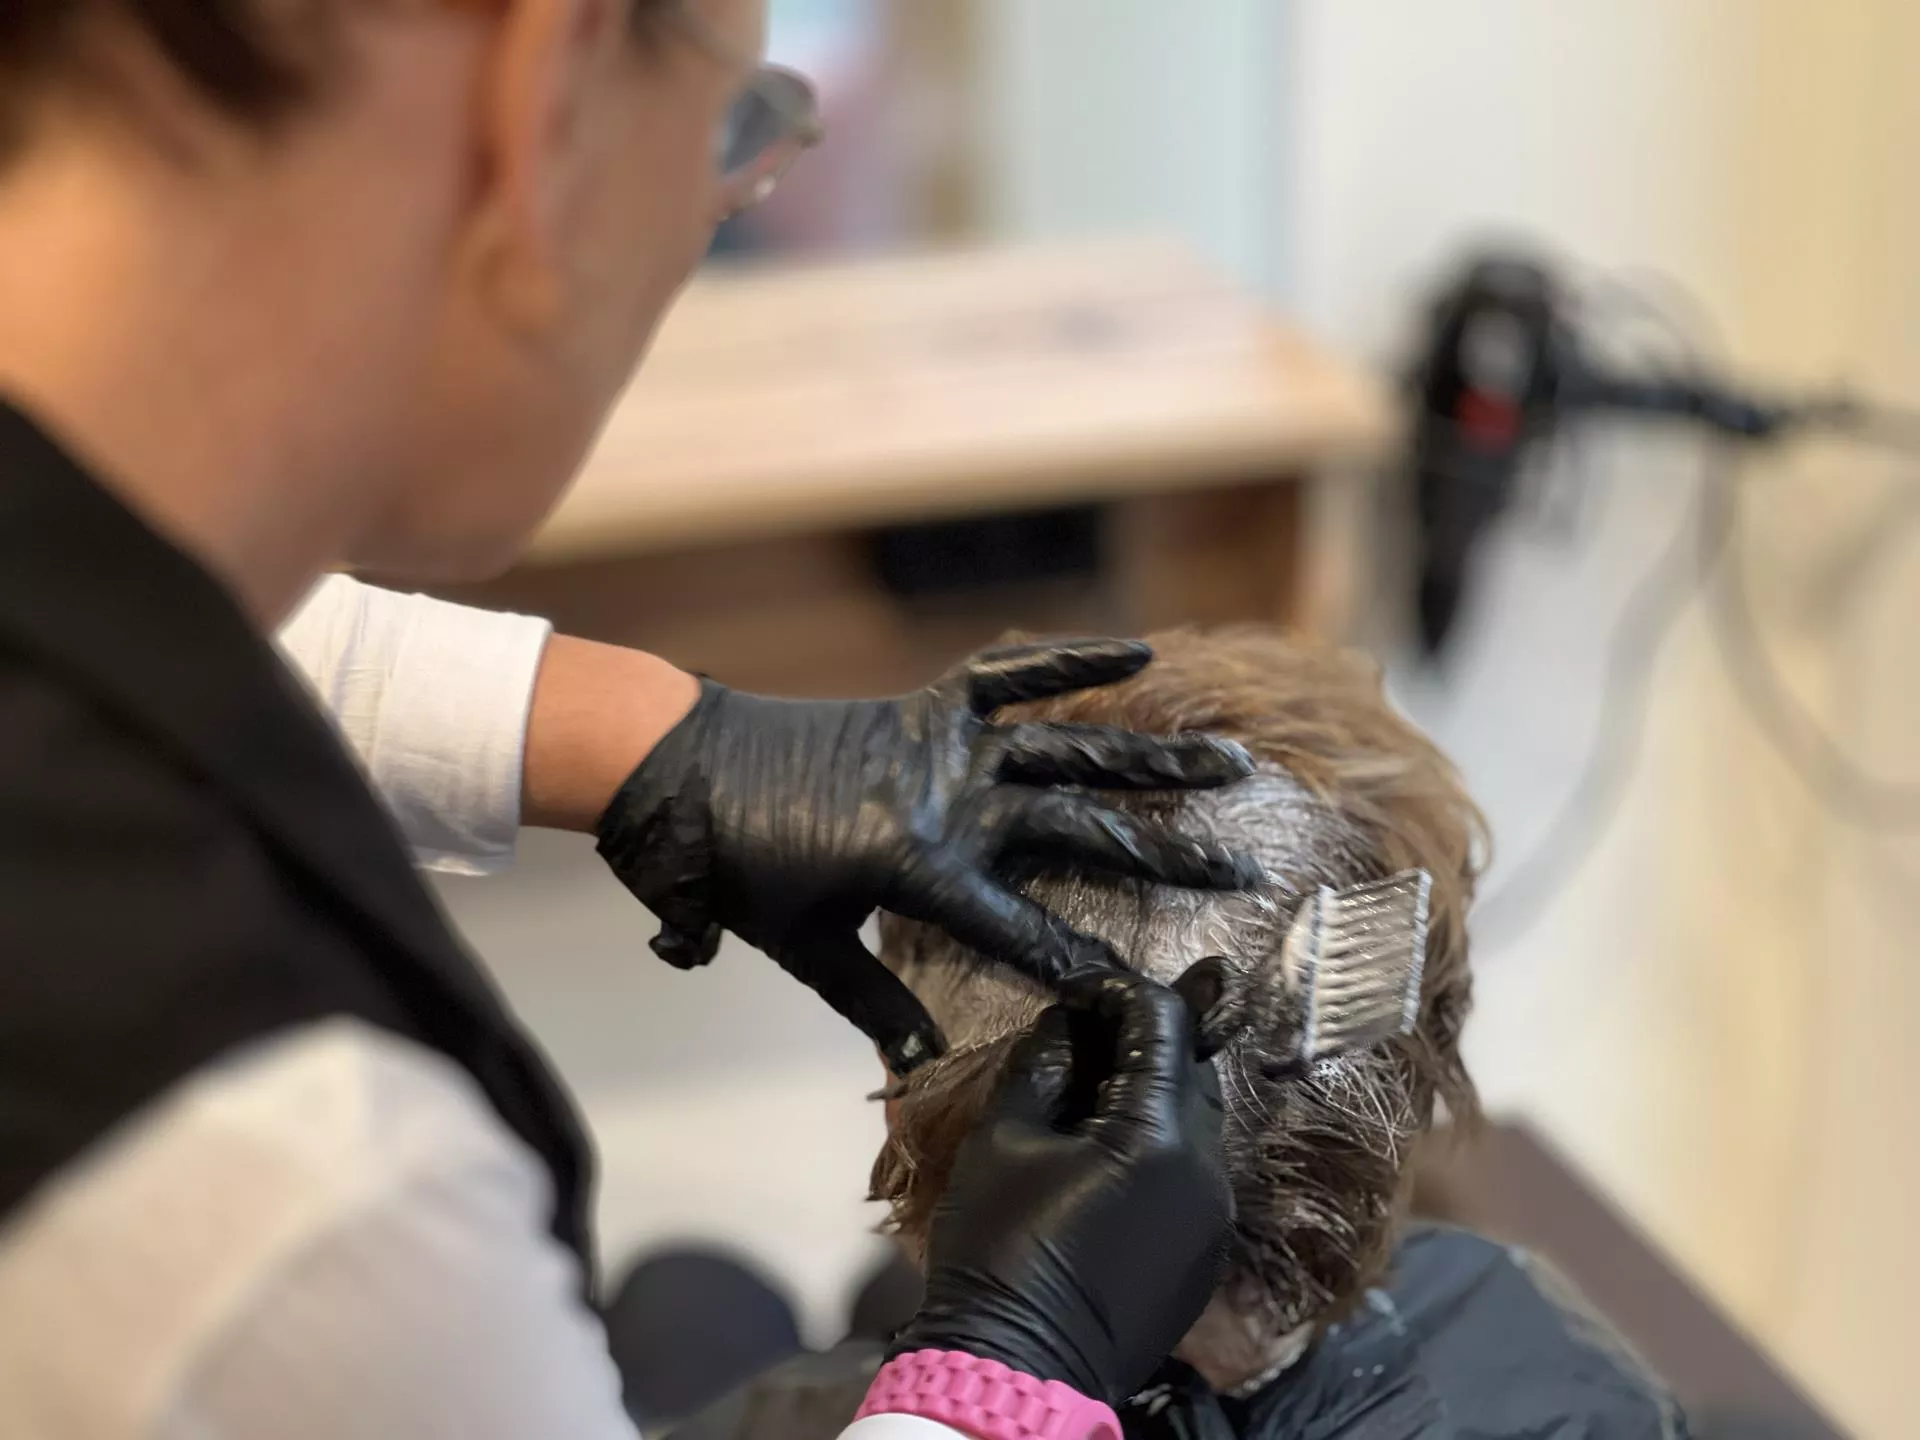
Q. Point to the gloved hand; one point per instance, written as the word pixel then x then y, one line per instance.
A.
pixel 789 822
pixel 1086 1222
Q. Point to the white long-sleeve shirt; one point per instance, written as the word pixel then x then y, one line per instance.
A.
pixel 331 1235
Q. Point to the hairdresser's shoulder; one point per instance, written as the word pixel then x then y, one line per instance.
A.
pixel 147 926
pixel 327 1233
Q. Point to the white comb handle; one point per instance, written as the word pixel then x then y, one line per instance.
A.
pixel 1355 959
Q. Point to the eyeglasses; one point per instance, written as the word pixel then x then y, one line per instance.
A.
pixel 773 122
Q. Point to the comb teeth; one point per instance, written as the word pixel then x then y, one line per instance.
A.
pixel 1354 959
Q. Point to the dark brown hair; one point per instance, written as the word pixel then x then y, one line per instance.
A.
pixel 1347 791
pixel 250 64
pixel 226 49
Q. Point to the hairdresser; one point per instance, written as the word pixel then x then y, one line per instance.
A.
pixel 287 289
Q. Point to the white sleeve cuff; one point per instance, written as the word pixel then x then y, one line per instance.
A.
pixel 434 700
pixel 899 1427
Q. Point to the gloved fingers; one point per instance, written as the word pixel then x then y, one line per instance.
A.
pixel 1033 1088
pixel 839 968
pixel 1104 758
pixel 1009 675
pixel 1213 989
pixel 1215 993
pixel 1152 1080
pixel 688 944
pixel 1074 831
pixel 1003 926
pixel 1206 1124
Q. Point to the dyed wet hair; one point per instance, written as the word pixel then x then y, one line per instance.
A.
pixel 1346 791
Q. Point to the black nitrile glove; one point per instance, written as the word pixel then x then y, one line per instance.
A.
pixel 788 822
pixel 1086 1223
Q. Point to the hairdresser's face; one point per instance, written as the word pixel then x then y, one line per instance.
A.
pixel 594 194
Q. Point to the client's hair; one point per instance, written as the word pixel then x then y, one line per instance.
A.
pixel 1346 791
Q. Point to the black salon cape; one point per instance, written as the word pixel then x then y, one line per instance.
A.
pixel 189 859
pixel 1465 1340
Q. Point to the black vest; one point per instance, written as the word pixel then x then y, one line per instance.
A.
pixel 189 860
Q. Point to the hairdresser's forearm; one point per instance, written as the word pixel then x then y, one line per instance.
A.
pixel 598 711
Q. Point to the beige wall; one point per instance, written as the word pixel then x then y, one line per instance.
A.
pixel 1135 117
pixel 1717 1017
pixel 1863 1166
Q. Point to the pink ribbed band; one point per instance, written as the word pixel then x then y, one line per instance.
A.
pixel 986 1400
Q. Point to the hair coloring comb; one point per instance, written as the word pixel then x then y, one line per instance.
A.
pixel 1349 975
pixel 1353 961
pixel 1350 970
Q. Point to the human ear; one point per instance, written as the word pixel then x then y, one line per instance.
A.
pixel 542 61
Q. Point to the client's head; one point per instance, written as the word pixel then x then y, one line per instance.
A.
pixel 1346 791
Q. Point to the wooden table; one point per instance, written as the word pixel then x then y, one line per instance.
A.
pixel 788 413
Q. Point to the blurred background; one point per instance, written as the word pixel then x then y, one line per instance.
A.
pixel 1681 678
